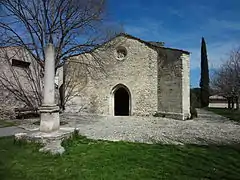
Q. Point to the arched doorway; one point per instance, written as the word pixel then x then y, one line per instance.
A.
pixel 122 101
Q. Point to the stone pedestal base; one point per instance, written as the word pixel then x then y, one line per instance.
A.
pixel 50 120
pixel 51 141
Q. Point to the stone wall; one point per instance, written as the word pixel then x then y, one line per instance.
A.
pixel 218 105
pixel 173 84
pixel 138 72
pixel 185 58
pixel 156 78
pixel 17 79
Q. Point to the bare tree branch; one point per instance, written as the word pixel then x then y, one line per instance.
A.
pixel 226 80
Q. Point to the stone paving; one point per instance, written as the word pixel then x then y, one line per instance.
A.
pixel 208 128
pixel 10 131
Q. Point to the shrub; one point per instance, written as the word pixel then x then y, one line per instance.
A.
pixel 195 97
pixel 193 112
pixel 194 102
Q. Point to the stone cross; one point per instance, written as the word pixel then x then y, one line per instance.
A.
pixel 49 111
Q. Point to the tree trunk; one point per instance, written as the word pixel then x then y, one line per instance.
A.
pixel 229 103
pixel 232 101
pixel 61 94
pixel 237 103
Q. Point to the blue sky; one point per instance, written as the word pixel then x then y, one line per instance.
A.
pixel 181 24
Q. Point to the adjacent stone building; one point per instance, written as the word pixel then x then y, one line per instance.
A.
pixel 129 76
pixel 20 81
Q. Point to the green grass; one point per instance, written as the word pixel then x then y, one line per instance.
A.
pixel 231 114
pixel 6 123
pixel 89 159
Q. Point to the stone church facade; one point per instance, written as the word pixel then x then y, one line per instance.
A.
pixel 132 77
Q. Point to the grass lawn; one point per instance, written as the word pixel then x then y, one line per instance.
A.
pixel 231 114
pixel 5 123
pixel 90 159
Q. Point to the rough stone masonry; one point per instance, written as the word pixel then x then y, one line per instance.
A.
pixel 130 77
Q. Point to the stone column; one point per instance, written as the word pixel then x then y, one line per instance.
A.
pixel 49 111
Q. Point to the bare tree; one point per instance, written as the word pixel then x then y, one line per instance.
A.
pixel 226 80
pixel 73 26
pixel 75 79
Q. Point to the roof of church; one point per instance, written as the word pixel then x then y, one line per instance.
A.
pixel 150 43
pixel 159 44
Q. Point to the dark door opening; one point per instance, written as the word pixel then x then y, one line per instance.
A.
pixel 121 102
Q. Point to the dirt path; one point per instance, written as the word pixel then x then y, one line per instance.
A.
pixel 9 131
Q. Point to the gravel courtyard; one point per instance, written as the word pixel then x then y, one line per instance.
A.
pixel 206 129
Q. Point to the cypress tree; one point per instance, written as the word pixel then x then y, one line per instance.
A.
pixel 204 81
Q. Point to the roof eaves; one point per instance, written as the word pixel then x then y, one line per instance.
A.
pixel 150 44
pixel 138 39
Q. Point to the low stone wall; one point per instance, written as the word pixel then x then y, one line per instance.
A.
pixel 218 105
